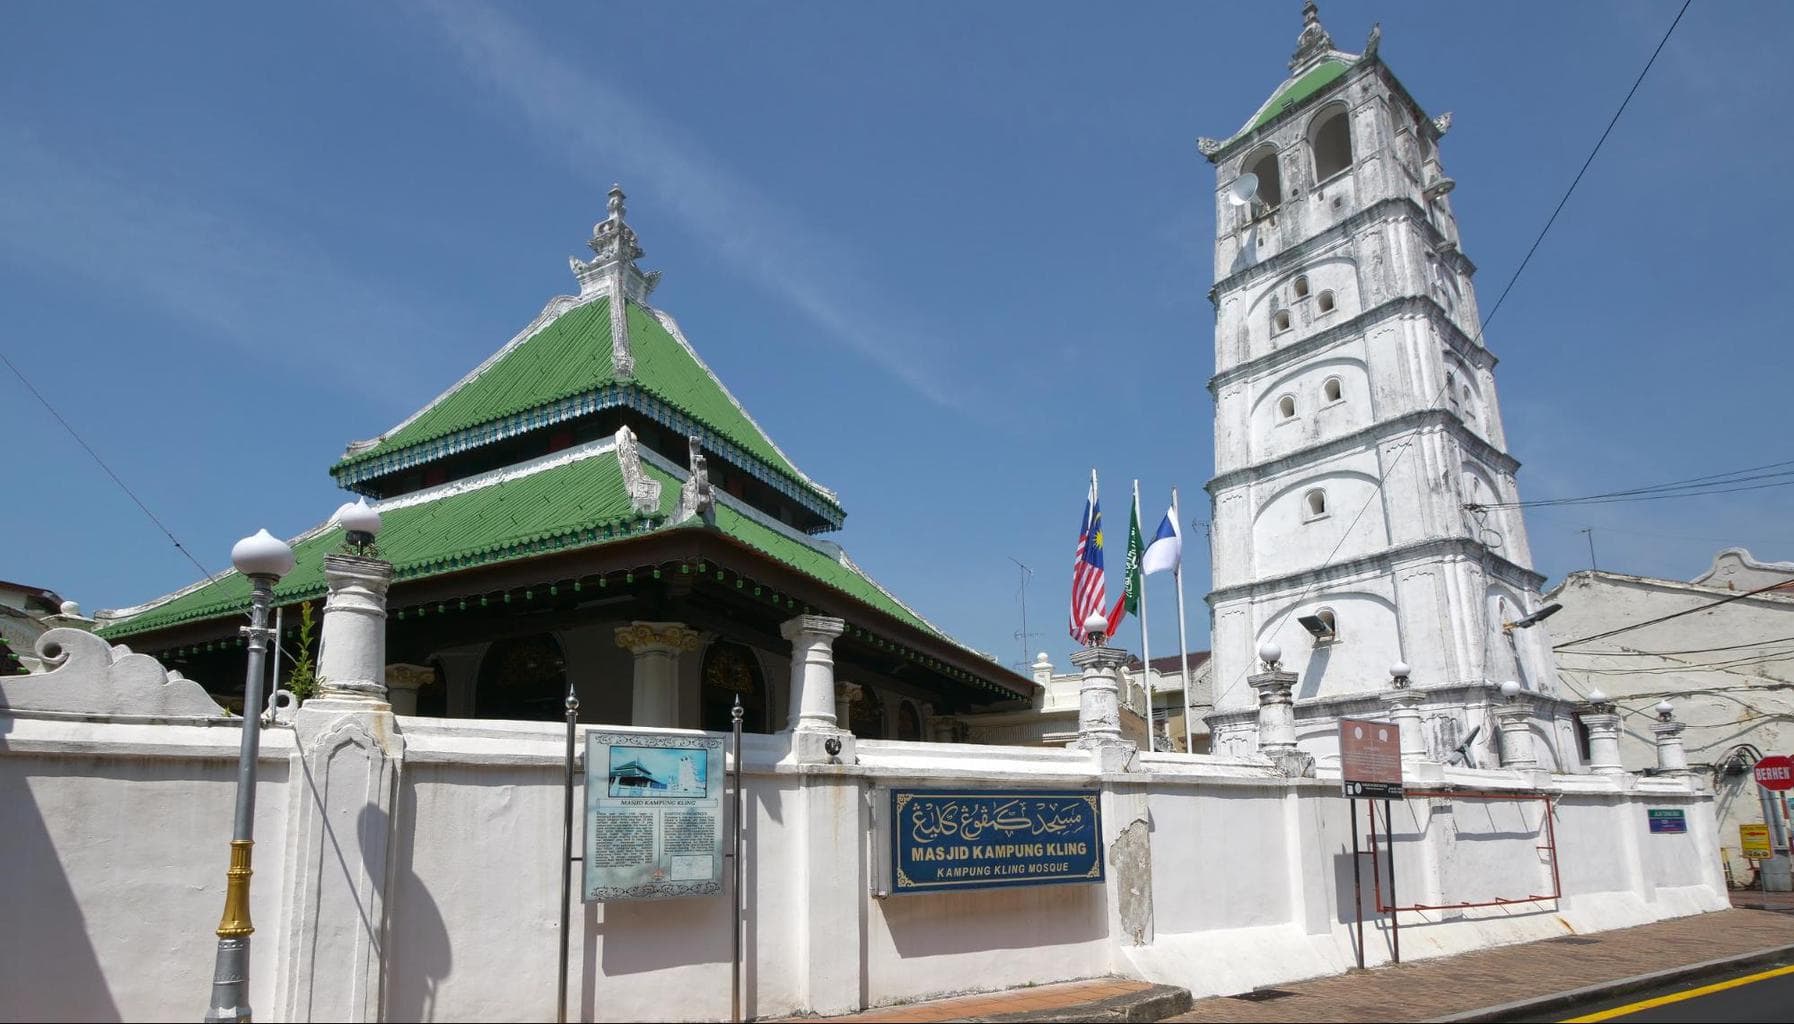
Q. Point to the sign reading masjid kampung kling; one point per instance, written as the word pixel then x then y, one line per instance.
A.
pixel 950 839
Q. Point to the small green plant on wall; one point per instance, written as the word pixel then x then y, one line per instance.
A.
pixel 302 678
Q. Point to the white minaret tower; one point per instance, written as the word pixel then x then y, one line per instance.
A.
pixel 1356 425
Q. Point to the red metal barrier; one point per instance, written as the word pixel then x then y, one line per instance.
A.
pixel 1550 847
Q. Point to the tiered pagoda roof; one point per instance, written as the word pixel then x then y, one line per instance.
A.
pixel 594 453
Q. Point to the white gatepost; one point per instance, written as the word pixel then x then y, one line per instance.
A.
pixel 810 719
pixel 333 937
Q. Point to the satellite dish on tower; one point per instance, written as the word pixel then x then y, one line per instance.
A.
pixel 1243 190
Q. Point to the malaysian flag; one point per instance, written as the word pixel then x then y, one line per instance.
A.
pixel 1088 594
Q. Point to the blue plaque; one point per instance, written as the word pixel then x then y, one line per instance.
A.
pixel 951 839
pixel 1669 821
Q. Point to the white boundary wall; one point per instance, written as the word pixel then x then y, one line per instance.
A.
pixel 431 892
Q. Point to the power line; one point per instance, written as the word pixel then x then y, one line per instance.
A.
pixel 35 393
pixel 1383 477
pixel 1634 653
pixel 1716 483
pixel 1728 599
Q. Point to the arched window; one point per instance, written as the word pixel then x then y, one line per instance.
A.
pixel 1451 391
pixel 1286 407
pixel 1469 406
pixel 1332 143
pixel 1325 302
pixel 1270 182
pixel 1316 503
pixel 1331 389
pixel 1302 287
pixel 1280 321
pixel 730 670
pixel 1329 620
pixel 522 678
pixel 909 722
pixel 867 719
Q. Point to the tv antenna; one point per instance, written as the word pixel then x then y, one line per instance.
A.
pixel 1022 635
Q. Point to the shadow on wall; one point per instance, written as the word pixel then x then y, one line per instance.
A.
pixel 422 958
pixel 932 924
pixel 48 971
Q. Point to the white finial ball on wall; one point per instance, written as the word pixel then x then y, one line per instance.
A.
pixel 1270 653
pixel 1510 689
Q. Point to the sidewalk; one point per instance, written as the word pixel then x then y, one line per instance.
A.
pixel 1457 986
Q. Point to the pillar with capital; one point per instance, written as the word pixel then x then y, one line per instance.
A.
pixel 352 643
pixel 1277 714
pixel 1099 698
pixel 1602 720
pixel 811 719
pixel 1515 719
pixel 1404 710
pixel 657 647
pixel 402 683
pixel 1672 756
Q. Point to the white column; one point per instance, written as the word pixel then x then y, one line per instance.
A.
pixel 811 720
pixel 1277 715
pixel 656 646
pixel 352 645
pixel 1672 757
pixel 1099 696
pixel 1404 711
pixel 402 683
pixel 1603 724
pixel 1517 747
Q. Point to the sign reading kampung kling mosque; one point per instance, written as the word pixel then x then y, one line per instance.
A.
pixel 654 816
pixel 947 839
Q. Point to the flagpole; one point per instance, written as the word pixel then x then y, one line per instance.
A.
pixel 1135 572
pixel 1183 644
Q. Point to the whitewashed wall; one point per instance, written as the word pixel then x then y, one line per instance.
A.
pixel 1228 876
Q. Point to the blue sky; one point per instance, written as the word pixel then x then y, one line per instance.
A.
pixel 950 256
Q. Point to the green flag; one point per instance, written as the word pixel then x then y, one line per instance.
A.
pixel 1136 548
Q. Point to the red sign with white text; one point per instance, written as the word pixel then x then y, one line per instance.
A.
pixel 1776 772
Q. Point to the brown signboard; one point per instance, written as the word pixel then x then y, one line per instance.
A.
pixel 1370 758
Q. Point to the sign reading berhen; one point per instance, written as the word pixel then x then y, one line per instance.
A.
pixel 1775 772
pixel 1370 758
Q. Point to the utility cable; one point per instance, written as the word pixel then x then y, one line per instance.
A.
pixel 1728 599
pixel 35 393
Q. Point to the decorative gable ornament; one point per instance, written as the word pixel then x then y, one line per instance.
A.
pixel 696 499
pixel 644 490
pixel 92 677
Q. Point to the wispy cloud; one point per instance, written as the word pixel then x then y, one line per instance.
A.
pixel 593 125
pixel 272 296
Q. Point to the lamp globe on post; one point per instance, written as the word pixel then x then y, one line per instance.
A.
pixel 1510 690
pixel 264 558
pixel 1665 710
pixel 1270 654
pixel 1096 629
pixel 1398 674
pixel 361 524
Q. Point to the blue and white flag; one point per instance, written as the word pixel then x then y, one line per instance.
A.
pixel 1166 549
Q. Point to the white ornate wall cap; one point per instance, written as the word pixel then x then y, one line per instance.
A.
pixel 92 677
pixel 1595 696
pixel 70 609
pixel 1043 658
pixel 1665 709
pixel 1510 689
pixel 262 554
pixel 1270 653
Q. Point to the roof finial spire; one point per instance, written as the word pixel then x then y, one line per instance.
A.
pixel 615 249
pixel 1314 41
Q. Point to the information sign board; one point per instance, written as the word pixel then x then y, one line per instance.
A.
pixel 952 839
pixel 1370 758
pixel 654 816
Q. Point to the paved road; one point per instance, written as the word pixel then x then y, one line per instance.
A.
pixel 1757 994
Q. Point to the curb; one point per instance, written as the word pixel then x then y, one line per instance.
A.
pixel 1153 1004
pixel 1621 986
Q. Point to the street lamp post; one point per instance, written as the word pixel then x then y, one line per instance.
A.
pixel 263 558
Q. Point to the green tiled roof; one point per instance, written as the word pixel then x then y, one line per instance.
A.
pixel 571 358
pixel 577 504
pixel 572 505
pixel 1293 92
